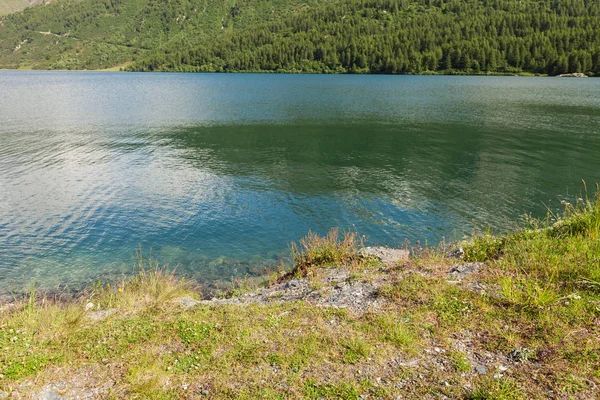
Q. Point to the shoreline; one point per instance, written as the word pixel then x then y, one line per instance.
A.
pixel 453 73
pixel 501 317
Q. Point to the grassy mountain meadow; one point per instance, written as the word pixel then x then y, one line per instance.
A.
pixel 350 36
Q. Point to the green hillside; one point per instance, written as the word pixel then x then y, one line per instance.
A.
pixel 94 34
pixel 10 6
pixel 360 36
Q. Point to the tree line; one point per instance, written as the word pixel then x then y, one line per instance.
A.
pixel 329 36
pixel 404 37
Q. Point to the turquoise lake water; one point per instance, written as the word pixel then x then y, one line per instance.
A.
pixel 218 173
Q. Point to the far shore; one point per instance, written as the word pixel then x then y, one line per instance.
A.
pixel 120 68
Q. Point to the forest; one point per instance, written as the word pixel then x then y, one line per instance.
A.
pixel 351 36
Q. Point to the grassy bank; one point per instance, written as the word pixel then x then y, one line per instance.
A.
pixel 516 317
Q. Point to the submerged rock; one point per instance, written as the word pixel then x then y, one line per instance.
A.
pixel 386 255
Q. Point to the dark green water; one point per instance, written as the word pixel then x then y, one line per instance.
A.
pixel 218 173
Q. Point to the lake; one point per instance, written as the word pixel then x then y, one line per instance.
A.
pixel 218 173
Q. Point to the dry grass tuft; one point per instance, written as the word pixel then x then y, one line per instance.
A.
pixel 330 250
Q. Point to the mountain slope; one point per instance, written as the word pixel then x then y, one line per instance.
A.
pixel 92 34
pixel 360 36
pixel 10 6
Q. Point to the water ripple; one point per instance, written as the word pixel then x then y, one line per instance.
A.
pixel 218 173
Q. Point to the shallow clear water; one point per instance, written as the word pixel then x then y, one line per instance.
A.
pixel 218 173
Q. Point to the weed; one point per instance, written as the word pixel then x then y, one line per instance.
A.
pixel 496 389
pixel 330 391
pixel 355 349
pixel 483 248
pixel 193 333
pixel 396 331
pixel 459 361
pixel 320 251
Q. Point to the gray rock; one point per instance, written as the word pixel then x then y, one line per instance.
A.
pixel 48 393
pixel 292 284
pixel 100 315
pixel 338 275
pixel 521 354
pixel 386 255
pixel 3 395
pixel 187 302
pixel 481 369
pixel 456 253
pixel 462 270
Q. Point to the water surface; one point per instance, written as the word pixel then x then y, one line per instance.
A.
pixel 218 173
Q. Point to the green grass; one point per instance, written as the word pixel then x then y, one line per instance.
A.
pixel 332 249
pixel 496 389
pixel 460 362
pixel 533 309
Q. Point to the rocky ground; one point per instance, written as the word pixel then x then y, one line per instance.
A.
pixel 327 287
pixel 453 363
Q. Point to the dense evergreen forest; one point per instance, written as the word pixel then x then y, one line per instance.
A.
pixel 356 36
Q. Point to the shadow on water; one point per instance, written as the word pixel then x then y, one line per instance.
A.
pixel 456 167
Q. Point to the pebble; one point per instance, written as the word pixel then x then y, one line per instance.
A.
pixel 481 369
